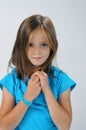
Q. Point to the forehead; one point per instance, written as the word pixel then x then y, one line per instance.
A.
pixel 38 34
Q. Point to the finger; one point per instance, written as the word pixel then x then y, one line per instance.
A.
pixel 33 76
pixel 38 73
pixel 41 74
pixel 35 79
pixel 38 84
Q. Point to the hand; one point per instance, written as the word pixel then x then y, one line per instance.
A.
pixel 43 80
pixel 33 88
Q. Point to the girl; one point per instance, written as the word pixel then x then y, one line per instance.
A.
pixel 35 94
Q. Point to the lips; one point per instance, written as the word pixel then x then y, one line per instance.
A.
pixel 36 58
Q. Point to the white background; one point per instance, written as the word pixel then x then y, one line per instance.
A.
pixel 69 18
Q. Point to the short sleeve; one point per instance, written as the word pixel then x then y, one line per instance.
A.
pixel 65 82
pixel 8 83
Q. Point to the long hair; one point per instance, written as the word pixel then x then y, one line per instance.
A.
pixel 19 57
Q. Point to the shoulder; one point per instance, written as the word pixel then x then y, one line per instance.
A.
pixel 10 76
pixel 56 71
pixel 13 73
pixel 8 80
pixel 63 79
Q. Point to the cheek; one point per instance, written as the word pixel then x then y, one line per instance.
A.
pixel 48 52
pixel 29 52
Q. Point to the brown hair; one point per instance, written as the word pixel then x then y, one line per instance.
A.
pixel 19 58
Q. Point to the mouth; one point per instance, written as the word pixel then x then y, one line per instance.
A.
pixel 36 58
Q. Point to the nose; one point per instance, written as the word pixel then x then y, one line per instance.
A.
pixel 36 50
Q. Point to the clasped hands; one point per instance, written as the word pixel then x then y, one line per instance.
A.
pixel 37 83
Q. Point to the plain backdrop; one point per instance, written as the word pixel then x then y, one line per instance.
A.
pixel 69 18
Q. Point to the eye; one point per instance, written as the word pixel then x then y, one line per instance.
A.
pixel 30 45
pixel 44 44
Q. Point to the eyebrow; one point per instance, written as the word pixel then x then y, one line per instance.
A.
pixel 40 42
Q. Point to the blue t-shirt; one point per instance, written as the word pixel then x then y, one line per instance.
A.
pixel 37 116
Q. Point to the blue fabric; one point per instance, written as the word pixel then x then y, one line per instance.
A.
pixel 37 116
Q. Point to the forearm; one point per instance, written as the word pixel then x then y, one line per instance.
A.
pixel 60 117
pixel 13 118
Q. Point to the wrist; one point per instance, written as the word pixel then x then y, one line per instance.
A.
pixel 28 96
pixel 45 90
pixel 25 101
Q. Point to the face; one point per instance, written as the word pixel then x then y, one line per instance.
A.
pixel 38 48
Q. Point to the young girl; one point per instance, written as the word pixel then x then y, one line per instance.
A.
pixel 35 94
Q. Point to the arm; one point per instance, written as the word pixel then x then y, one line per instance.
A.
pixel 60 110
pixel 11 115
